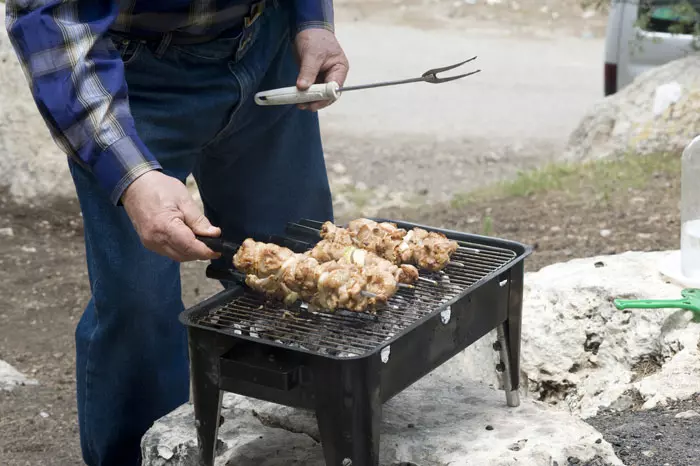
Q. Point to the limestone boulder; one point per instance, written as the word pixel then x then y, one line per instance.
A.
pixel 442 419
pixel 11 378
pixel 580 353
pixel 658 112
pixel 32 167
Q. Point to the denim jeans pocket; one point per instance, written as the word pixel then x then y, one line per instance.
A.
pixel 129 49
pixel 240 93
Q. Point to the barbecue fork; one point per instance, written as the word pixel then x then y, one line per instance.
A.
pixel 332 91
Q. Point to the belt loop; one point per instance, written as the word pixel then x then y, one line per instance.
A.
pixel 163 44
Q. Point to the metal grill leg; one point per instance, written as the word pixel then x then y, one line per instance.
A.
pixel 349 412
pixel 511 388
pixel 509 334
pixel 206 397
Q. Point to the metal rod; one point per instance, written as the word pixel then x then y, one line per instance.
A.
pixel 512 396
pixel 381 84
pixel 428 280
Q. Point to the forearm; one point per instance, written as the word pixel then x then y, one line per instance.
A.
pixel 313 14
pixel 77 80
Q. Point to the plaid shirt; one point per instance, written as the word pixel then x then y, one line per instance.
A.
pixel 59 44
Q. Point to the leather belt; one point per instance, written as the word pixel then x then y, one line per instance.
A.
pixel 177 38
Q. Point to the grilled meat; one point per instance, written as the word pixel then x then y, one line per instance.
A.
pixel 340 248
pixel 427 250
pixel 282 274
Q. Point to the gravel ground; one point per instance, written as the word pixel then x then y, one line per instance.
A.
pixel 667 436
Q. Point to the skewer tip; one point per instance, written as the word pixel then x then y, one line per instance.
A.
pixel 428 280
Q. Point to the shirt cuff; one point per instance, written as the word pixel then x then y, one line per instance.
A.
pixel 313 14
pixel 314 25
pixel 121 163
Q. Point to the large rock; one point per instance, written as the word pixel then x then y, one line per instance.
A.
pixel 32 167
pixel 658 112
pixel 580 353
pixel 442 419
pixel 11 377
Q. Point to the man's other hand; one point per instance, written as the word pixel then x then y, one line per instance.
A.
pixel 166 217
pixel 321 60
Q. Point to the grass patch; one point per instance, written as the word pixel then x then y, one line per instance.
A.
pixel 359 198
pixel 605 178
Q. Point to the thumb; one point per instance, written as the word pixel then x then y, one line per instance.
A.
pixel 196 220
pixel 308 70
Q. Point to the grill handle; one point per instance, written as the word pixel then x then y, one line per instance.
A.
pixel 219 244
pixel 226 248
pixel 261 369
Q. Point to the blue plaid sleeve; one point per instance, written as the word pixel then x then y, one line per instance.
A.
pixel 77 79
pixel 313 14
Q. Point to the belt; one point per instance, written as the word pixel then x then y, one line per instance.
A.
pixel 179 38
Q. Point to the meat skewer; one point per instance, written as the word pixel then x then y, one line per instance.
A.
pixel 279 272
pixel 427 250
pixel 341 248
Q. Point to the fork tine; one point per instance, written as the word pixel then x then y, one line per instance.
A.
pixel 448 68
pixel 452 78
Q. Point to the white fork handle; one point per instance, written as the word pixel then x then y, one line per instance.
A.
pixel 292 95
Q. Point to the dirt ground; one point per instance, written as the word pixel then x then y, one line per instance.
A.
pixel 44 288
pixel 655 437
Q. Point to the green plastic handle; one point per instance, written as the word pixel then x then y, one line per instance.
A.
pixel 653 304
pixel 690 302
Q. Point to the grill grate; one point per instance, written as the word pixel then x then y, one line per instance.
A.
pixel 350 334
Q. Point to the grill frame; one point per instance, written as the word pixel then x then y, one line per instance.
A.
pixel 347 393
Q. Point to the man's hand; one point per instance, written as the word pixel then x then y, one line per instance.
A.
pixel 166 217
pixel 321 60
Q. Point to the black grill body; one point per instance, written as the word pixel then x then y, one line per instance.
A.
pixel 345 365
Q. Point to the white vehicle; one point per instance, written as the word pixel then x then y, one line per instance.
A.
pixel 633 46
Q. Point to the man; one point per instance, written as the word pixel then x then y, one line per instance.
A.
pixel 139 94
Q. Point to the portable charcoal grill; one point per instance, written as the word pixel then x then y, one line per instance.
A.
pixel 345 365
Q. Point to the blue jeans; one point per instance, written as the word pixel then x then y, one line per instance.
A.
pixel 257 168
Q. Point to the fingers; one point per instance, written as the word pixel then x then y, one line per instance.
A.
pixel 195 219
pixel 184 246
pixel 308 69
pixel 338 72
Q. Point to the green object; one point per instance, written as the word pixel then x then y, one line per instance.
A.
pixel 689 302
pixel 675 14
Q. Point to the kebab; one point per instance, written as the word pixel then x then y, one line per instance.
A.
pixel 427 250
pixel 341 248
pixel 282 274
